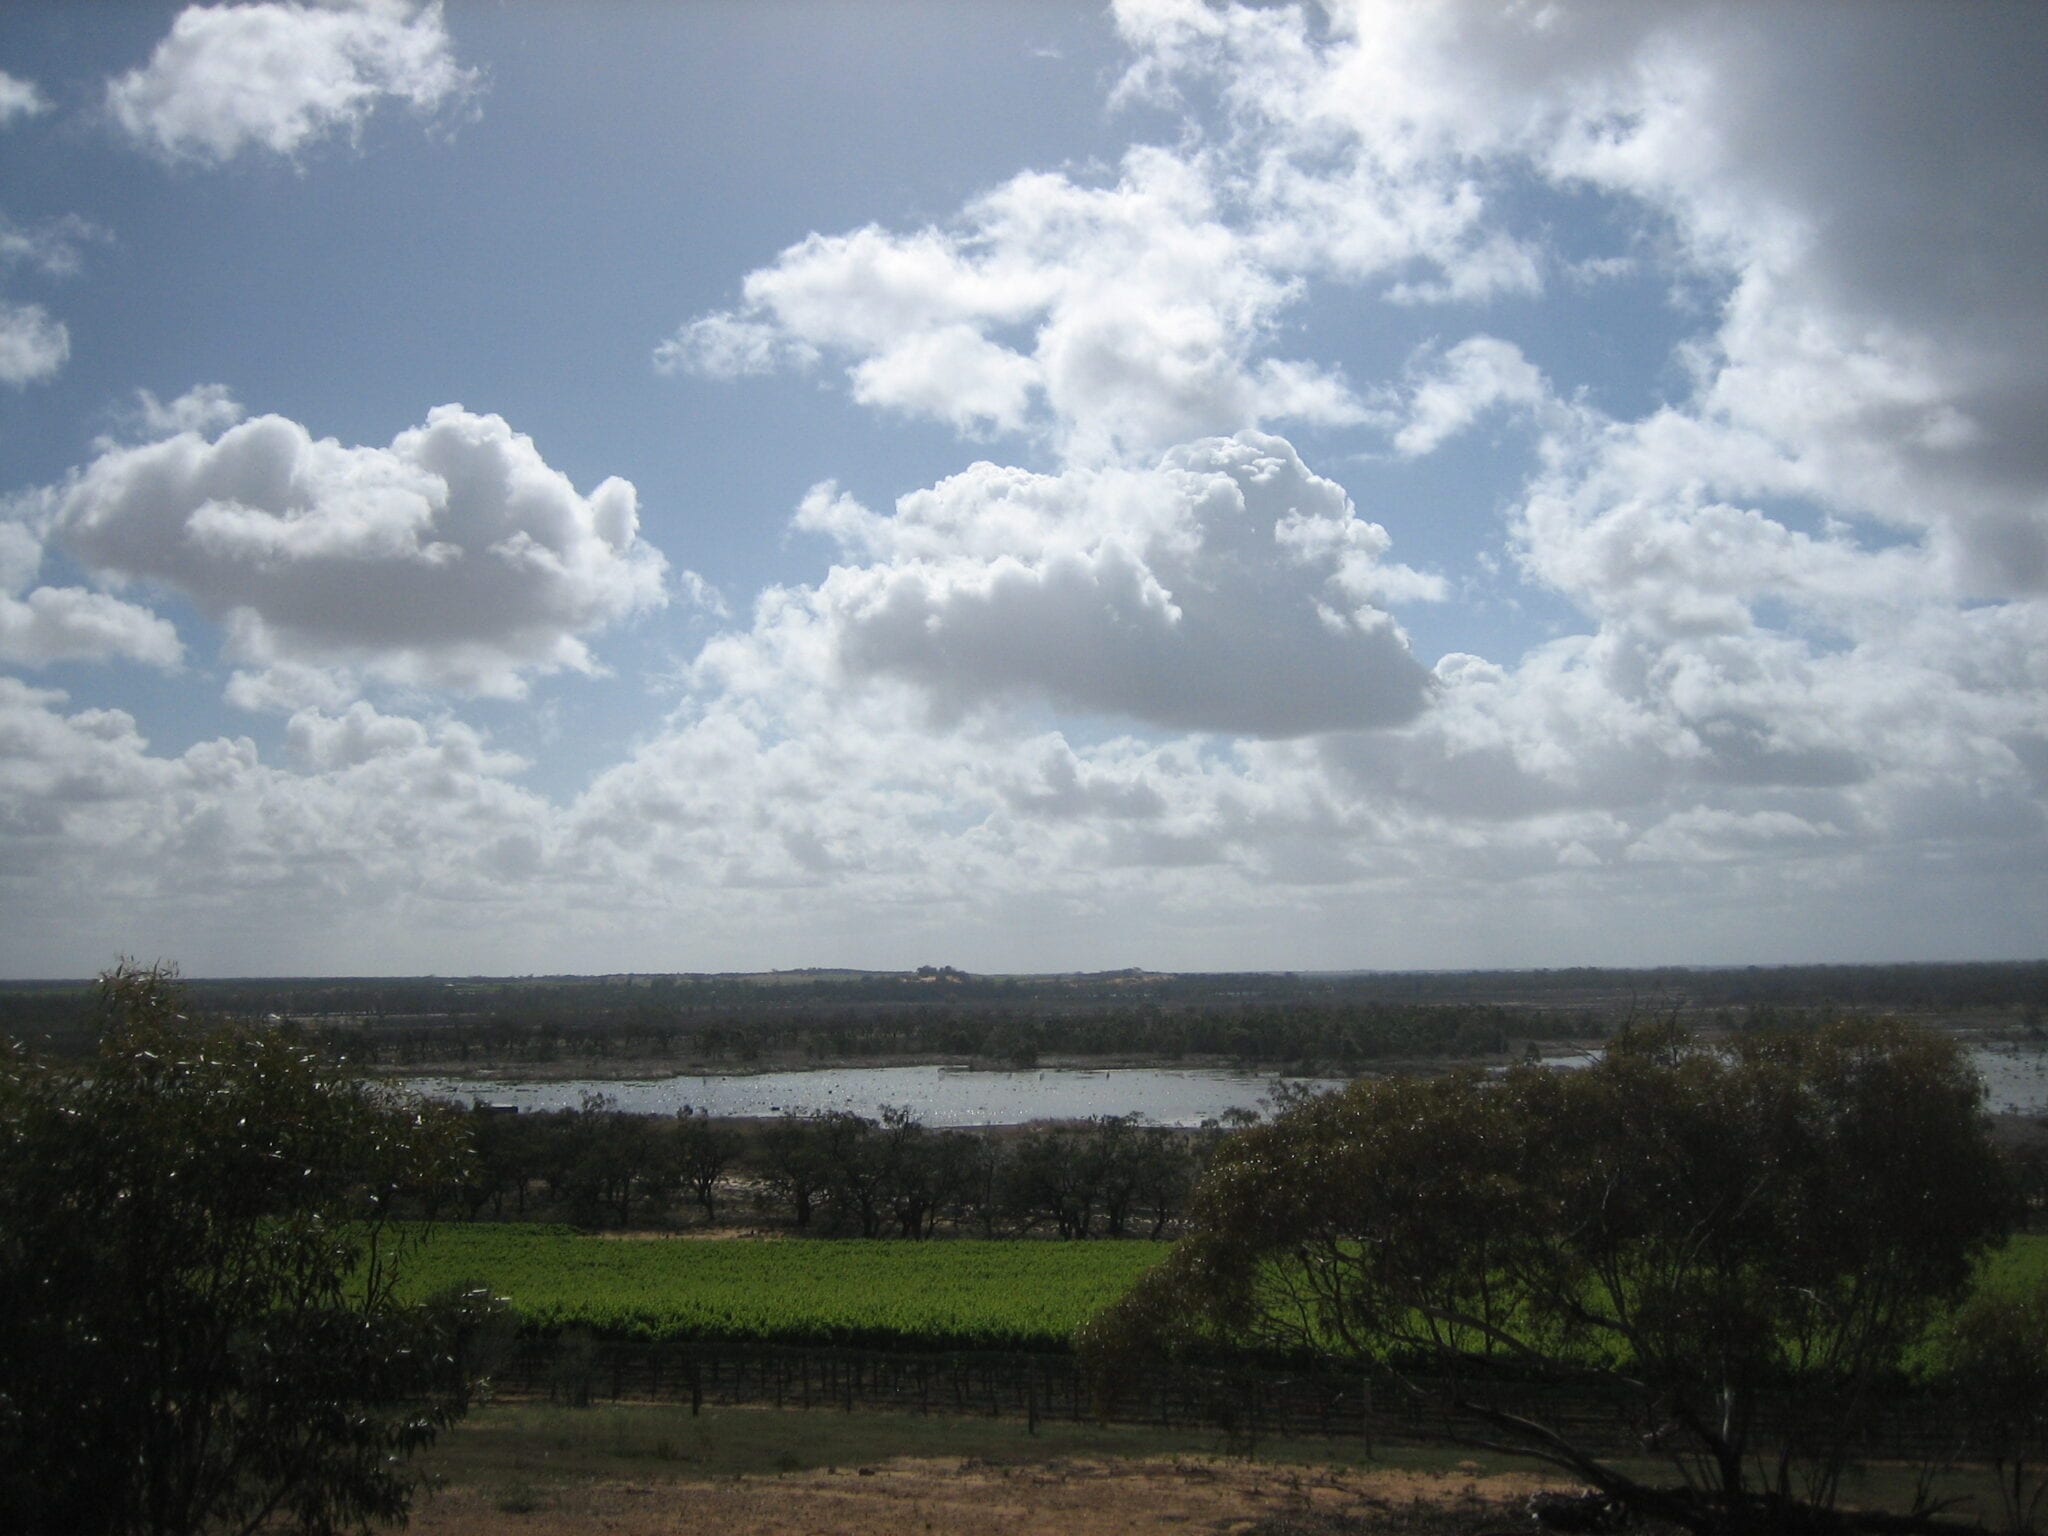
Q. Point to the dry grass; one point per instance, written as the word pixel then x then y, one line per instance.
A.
pixel 908 1496
pixel 653 1469
pixel 641 1470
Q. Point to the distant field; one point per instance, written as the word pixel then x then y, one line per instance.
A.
pixel 937 1295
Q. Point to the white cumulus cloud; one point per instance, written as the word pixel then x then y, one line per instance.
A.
pixel 43 624
pixel 1112 319
pixel 72 624
pixel 456 557
pixel 278 76
pixel 1225 589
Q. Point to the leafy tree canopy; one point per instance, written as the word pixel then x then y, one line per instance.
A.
pixel 1725 1249
pixel 197 1325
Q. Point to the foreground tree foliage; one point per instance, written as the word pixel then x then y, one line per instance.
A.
pixel 1722 1255
pixel 1996 1357
pixel 197 1324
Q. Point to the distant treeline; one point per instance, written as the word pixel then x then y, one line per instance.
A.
pixel 1334 1021
pixel 839 1174
pixel 1307 1035
pixel 833 1174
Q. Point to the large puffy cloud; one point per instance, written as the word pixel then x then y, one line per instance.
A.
pixel 456 557
pixel 1226 589
pixel 42 624
pixel 1115 320
pixel 1860 182
pixel 1119 316
pixel 280 76
pixel 72 624
pixel 1782 560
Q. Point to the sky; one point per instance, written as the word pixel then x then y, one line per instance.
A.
pixel 496 488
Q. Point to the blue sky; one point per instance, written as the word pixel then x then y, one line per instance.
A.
pixel 514 488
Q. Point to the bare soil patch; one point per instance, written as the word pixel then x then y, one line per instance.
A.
pixel 909 1496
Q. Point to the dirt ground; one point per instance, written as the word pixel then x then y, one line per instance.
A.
pixel 1067 1497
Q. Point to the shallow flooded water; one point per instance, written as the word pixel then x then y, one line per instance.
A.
pixel 938 1096
pixel 2015 1079
pixel 2015 1076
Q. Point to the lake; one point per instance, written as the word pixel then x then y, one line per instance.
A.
pixel 2015 1078
pixel 937 1096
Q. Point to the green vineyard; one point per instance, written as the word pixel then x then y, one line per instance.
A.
pixel 963 1295
pixel 996 1295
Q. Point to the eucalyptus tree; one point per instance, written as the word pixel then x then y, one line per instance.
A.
pixel 1728 1250
pixel 199 1323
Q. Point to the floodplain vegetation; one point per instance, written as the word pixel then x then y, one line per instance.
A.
pixel 1312 1024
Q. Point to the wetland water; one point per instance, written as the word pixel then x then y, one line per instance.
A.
pixel 2015 1077
pixel 937 1096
